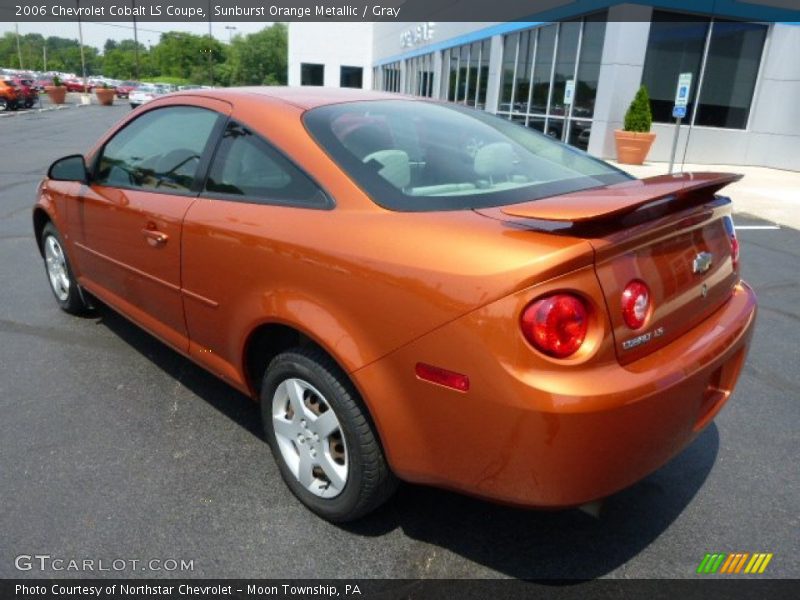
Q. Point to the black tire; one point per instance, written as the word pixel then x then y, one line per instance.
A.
pixel 369 481
pixel 4 105
pixel 73 301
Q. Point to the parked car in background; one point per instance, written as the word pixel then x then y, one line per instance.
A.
pixel 10 95
pixel 77 85
pixel 42 83
pixel 145 93
pixel 411 289
pixel 124 88
pixel 28 93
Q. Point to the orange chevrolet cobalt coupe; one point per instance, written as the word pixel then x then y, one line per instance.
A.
pixel 411 290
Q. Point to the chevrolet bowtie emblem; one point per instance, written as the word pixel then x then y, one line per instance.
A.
pixel 702 262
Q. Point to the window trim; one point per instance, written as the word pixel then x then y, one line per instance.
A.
pixel 328 204
pixel 199 175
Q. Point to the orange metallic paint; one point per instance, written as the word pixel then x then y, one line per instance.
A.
pixel 381 291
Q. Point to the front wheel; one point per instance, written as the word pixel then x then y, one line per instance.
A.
pixel 59 273
pixel 321 437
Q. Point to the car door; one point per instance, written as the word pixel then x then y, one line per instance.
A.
pixel 237 243
pixel 128 221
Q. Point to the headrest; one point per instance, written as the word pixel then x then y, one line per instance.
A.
pixel 394 166
pixel 495 160
pixel 174 160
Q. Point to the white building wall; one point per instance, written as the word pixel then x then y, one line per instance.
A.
pixel 342 44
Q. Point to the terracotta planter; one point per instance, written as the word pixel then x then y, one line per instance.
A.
pixel 633 146
pixel 57 94
pixel 105 96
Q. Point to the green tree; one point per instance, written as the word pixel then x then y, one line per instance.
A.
pixel 185 55
pixel 119 60
pixel 260 58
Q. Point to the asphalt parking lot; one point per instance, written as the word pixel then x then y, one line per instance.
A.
pixel 113 446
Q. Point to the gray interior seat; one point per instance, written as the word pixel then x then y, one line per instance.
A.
pixel 395 167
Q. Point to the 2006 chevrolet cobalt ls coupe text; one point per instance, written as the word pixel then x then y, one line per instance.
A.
pixel 412 290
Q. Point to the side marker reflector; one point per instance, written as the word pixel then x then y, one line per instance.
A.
pixel 450 379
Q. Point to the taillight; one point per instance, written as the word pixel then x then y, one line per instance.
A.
pixel 635 303
pixel 556 324
pixel 730 229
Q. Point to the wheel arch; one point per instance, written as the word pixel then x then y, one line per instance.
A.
pixel 270 338
pixel 40 219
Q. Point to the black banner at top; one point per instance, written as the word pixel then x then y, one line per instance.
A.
pixel 377 10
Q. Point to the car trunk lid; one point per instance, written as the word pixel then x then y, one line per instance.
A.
pixel 667 231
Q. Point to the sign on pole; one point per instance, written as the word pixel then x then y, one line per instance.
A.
pixel 679 110
pixel 684 87
pixel 569 92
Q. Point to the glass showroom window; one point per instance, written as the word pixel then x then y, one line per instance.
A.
pixel 419 75
pixel 723 57
pixel 465 73
pixel 540 66
pixel 390 77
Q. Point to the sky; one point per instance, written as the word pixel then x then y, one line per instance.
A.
pixel 96 34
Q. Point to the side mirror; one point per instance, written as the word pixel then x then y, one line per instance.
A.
pixel 69 168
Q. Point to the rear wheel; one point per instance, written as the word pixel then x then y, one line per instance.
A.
pixel 59 274
pixel 321 437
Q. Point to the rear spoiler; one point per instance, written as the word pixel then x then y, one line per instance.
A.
pixel 621 198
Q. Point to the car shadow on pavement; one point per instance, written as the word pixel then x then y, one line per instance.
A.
pixel 226 399
pixel 526 544
pixel 550 545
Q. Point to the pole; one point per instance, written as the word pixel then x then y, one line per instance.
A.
pixel 83 58
pixel 230 29
pixel 44 56
pixel 675 144
pixel 210 42
pixel 19 49
pixel 136 43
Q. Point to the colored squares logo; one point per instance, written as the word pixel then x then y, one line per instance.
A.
pixel 735 563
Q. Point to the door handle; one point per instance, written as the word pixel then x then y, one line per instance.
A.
pixel 154 236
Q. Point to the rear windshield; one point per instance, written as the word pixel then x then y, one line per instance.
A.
pixel 418 156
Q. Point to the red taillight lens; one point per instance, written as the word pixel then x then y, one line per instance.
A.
pixel 556 325
pixel 635 304
pixel 730 229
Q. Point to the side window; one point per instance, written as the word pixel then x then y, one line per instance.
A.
pixel 160 150
pixel 245 165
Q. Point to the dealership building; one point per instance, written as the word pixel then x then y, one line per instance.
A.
pixel 573 76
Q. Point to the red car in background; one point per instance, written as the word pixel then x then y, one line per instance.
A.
pixel 125 88
pixel 76 85
pixel 27 93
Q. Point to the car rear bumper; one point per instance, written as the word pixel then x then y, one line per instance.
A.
pixel 551 437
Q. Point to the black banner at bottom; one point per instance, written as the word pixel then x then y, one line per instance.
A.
pixel 380 589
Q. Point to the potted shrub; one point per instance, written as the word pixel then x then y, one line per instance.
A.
pixel 635 140
pixel 105 94
pixel 56 92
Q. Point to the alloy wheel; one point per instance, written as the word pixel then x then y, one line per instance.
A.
pixel 310 438
pixel 56 268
